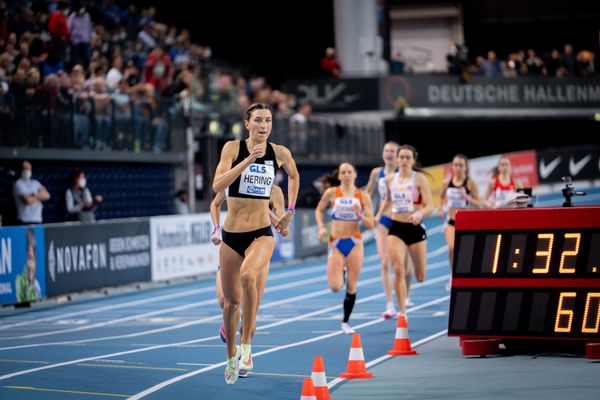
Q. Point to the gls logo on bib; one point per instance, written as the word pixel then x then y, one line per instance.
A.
pixel 257 168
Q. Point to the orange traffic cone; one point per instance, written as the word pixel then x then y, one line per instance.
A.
pixel 356 361
pixel 402 342
pixel 319 379
pixel 308 390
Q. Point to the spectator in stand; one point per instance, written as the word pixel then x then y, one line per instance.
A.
pixel 568 60
pixel 397 63
pixel 112 14
pixel 3 22
pixel 7 113
pixel 158 68
pixel 131 21
pixel 299 128
pixel 81 107
pixel 512 66
pixel 181 202
pixel 81 206
pixel 29 194
pixel 5 64
pixel 145 38
pixel 114 75
pixel 81 29
pixel 330 64
pixel 35 108
pixel 534 63
pixel 59 30
pixel 24 22
pixel 101 114
pixel 150 114
pixel 553 65
pixel 491 66
pixel 23 53
pixel 585 63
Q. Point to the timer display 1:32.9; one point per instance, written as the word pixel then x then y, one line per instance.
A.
pixel 527 281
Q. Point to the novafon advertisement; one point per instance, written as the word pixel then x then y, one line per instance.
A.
pixel 86 256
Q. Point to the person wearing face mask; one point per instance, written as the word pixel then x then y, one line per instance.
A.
pixel 80 28
pixel 81 206
pixel 29 194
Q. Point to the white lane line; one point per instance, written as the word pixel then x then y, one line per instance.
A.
pixel 282 322
pixel 202 320
pixel 176 379
pixel 436 229
pixel 120 306
pixel 169 310
pixel 189 323
pixel 110 307
pixel 381 359
pixel 160 312
pixel 272 277
pixel 194 364
pixel 438 251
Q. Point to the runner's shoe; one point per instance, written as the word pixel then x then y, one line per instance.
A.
pixel 246 360
pixel 389 313
pixel 347 329
pixel 232 369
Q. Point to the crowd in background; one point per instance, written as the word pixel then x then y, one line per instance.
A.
pixel 523 63
pixel 104 71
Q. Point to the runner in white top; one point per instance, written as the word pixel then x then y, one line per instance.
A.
pixel 410 200
pixel 377 180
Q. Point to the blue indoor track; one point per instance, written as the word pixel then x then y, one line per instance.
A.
pixel 163 343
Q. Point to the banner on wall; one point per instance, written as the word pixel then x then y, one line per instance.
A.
pixel 22 274
pixel 181 246
pixel 441 91
pixel 306 234
pixel 92 256
pixel 523 168
pixel 581 163
pixel 326 95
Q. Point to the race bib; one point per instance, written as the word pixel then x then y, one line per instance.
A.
pixel 343 209
pixel 455 198
pixel 257 180
pixel 402 202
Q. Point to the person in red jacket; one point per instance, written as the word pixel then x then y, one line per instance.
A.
pixel 158 68
pixel 59 31
pixel 330 64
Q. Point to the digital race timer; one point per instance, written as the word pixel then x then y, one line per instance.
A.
pixel 527 273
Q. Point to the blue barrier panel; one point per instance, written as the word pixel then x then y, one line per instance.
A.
pixel 22 260
pixel 284 246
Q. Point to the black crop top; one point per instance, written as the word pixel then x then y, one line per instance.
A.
pixel 256 181
pixel 465 185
